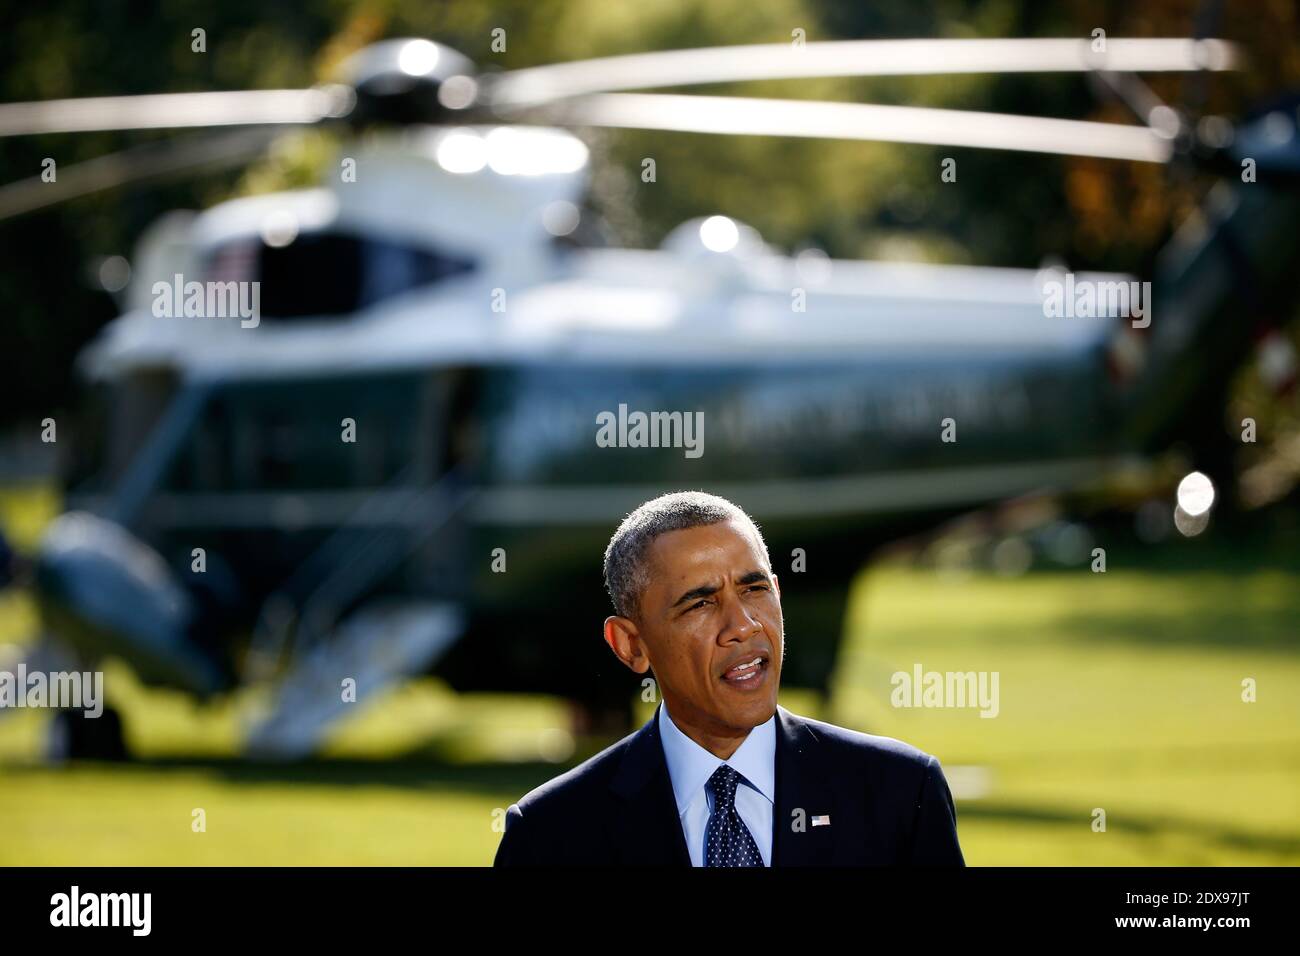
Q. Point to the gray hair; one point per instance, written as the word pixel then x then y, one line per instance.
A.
pixel 626 575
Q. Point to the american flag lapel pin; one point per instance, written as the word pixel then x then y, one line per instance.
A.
pixel 822 821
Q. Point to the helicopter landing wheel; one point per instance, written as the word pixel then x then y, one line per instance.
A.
pixel 74 736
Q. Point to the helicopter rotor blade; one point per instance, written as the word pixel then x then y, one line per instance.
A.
pixel 175 110
pixel 768 61
pixel 741 116
pixel 149 161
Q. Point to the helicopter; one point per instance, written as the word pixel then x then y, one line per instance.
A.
pixel 410 459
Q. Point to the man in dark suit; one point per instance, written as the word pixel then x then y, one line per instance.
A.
pixel 722 775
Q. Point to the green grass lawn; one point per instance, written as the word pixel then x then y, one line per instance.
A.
pixel 1119 691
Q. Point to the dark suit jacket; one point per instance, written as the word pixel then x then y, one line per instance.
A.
pixel 888 804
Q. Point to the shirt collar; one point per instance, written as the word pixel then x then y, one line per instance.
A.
pixel 690 766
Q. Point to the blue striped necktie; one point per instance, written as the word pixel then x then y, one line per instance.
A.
pixel 727 841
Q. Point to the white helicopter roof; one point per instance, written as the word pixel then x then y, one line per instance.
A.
pixel 713 292
pixel 481 189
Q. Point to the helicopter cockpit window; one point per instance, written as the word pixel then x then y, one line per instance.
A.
pixel 303 436
pixel 114 421
pixel 331 273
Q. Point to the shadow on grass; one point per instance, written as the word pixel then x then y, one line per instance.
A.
pixel 1145 826
pixel 1217 603
pixel 1193 625
pixel 424 771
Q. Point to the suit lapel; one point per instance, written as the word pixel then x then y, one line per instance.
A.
pixel 645 828
pixel 803 792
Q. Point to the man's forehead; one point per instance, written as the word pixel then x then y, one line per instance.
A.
pixel 676 552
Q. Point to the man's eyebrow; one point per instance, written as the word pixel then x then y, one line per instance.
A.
pixel 703 591
pixel 707 590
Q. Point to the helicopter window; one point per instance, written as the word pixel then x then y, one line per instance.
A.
pixel 203 462
pixel 114 421
pixel 293 435
pixel 331 273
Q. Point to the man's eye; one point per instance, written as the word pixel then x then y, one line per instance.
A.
pixel 697 604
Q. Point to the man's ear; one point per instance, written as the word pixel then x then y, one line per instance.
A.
pixel 624 640
pixel 776 586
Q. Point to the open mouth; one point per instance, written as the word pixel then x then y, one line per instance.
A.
pixel 747 674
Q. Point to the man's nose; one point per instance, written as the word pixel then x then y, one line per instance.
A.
pixel 740 622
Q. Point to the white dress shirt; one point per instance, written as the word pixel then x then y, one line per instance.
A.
pixel 690 766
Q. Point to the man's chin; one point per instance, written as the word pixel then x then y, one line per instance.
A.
pixel 747 715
